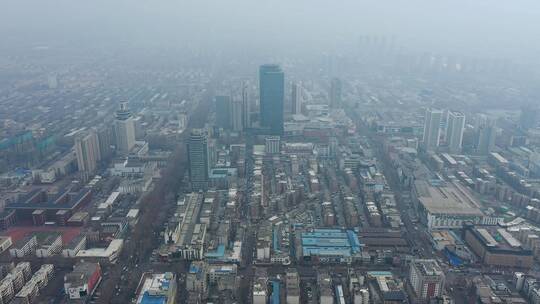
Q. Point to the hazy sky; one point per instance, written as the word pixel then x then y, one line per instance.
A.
pixel 473 27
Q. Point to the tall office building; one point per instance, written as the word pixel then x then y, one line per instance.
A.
pixel 246 109
pixel 124 129
pixel 87 152
pixel 296 98
pixel 432 129
pixel 223 111
pixel 529 117
pixel 335 93
pixel 105 135
pixel 198 159
pixel 455 129
pixel 487 133
pixel 271 88
pixel 236 115
pixel 426 278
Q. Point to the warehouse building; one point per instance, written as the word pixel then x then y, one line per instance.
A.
pixel 443 205
pixel 330 246
pixel 496 246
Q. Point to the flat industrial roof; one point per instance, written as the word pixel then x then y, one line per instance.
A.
pixel 446 198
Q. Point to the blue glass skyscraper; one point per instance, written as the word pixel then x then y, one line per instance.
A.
pixel 271 86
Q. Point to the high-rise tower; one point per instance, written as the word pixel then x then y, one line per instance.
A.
pixel 271 86
pixel 246 109
pixel 198 159
pixel 87 152
pixel 124 129
pixel 455 129
pixel 432 129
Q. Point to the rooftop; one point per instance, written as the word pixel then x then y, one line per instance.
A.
pixel 330 242
pixel 495 238
pixel 446 198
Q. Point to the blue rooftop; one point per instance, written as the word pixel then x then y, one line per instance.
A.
pixel 218 253
pixel 149 299
pixel 330 242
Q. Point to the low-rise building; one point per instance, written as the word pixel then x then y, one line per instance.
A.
pixel 157 288
pixel 109 254
pixel 82 281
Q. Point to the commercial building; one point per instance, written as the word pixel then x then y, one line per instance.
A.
pixel 427 279
pixel 157 288
pixel 271 86
pixel 82 281
pixel 198 159
pixel 124 129
pixel 329 245
pixel 454 131
pixel 445 205
pixel 432 129
pixel 496 246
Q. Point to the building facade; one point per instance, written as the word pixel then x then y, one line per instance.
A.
pixel 427 279
pixel 198 159
pixel 271 86
pixel 124 129
pixel 455 129
pixel 432 129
